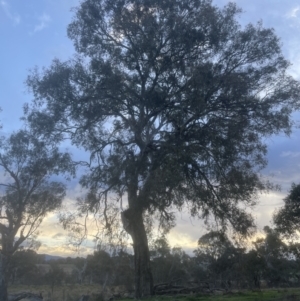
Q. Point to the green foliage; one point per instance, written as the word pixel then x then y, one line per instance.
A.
pixel 277 264
pixel 270 262
pixel 217 263
pixel 27 192
pixel 169 97
pixel 254 268
pixel 265 295
pixel 55 276
pixel 287 218
pixel 172 99
pixel 124 270
pixel 22 266
pixel 100 267
pixel 26 165
pixel 213 244
pixel 169 264
pixel 219 259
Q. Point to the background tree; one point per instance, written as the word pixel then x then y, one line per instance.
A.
pixel 275 253
pixel 169 265
pixel 287 218
pixel 254 268
pixel 161 260
pixel 22 268
pixel 218 256
pixel 124 270
pixel 172 99
pixel 26 165
pixel 100 267
pixel 55 276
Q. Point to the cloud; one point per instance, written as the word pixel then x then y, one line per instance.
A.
pixel 44 21
pixel 51 247
pixel 290 154
pixel 58 236
pixel 59 251
pixel 294 12
pixel 13 16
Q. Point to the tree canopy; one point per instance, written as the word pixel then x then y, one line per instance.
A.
pixel 27 192
pixel 287 218
pixel 171 99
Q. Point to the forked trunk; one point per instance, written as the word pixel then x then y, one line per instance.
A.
pixel 133 224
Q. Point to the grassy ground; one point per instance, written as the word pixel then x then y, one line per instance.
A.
pixel 263 295
pixel 60 293
pixel 73 293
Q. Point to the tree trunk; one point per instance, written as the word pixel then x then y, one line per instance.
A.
pixel 3 282
pixel 133 224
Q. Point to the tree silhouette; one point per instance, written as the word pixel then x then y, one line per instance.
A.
pixel 171 99
pixel 26 165
pixel 287 218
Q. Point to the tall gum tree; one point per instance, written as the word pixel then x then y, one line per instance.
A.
pixel 172 99
pixel 27 192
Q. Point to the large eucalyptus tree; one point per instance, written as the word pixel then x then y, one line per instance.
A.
pixel 172 99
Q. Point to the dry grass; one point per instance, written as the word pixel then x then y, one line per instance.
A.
pixel 73 293
pixel 67 292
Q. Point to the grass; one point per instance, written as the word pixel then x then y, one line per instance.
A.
pixel 73 293
pixel 60 293
pixel 263 295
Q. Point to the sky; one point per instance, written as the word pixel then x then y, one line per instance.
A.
pixel 33 33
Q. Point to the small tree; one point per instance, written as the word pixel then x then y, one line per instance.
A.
pixel 161 260
pixel 172 99
pixel 55 276
pixel 254 268
pixel 219 255
pixel 26 164
pixel 100 267
pixel 23 266
pixel 275 254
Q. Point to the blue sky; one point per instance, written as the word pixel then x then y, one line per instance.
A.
pixel 33 33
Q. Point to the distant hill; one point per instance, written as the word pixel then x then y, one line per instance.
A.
pixel 47 257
